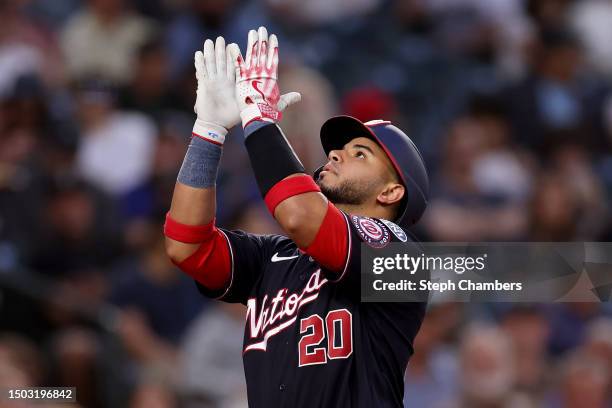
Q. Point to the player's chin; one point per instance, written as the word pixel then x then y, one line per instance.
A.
pixel 328 183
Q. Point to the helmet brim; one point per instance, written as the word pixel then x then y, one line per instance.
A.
pixel 337 131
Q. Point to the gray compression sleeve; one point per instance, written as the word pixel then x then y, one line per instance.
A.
pixel 201 163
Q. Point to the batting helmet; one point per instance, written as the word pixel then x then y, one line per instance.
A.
pixel 406 159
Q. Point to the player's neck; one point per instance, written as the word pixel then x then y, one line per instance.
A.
pixel 366 211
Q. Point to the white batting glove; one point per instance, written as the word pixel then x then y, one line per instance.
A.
pixel 215 107
pixel 257 90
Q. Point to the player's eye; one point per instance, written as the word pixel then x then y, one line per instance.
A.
pixel 360 154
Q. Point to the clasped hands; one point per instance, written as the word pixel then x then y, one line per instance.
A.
pixel 233 89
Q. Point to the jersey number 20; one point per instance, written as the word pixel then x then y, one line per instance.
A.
pixel 338 325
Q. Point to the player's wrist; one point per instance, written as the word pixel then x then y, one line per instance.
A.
pixel 201 163
pixel 209 131
pixel 252 113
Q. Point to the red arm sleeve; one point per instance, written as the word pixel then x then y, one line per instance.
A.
pixel 331 245
pixel 211 263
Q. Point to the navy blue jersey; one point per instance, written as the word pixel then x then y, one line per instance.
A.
pixel 308 340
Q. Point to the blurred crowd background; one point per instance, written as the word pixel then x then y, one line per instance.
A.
pixel 509 100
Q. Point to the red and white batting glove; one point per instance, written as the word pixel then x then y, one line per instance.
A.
pixel 257 92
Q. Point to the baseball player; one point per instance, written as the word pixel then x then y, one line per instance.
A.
pixel 308 340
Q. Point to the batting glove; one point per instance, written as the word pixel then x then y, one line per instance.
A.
pixel 215 107
pixel 257 90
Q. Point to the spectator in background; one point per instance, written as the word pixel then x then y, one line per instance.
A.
pixel 207 19
pixel 432 374
pixel 102 40
pixel 468 202
pixel 591 20
pixel 583 382
pixel 211 359
pixel 488 370
pixel 21 364
pixel 598 342
pixel 548 14
pixel 116 149
pixel 528 330
pixel 554 210
pixel 77 234
pixel 146 206
pixel 26 108
pixel 150 286
pixel 554 97
pixel 574 164
pixel 147 327
pixel 512 33
pixel 153 395
pixel 504 170
pixel 157 306
pixel 75 351
pixel 489 31
pixel 149 90
pixel 470 27
pixel 320 12
pixel 568 324
pixel 51 14
pixel 26 48
pixel 75 245
pixel 23 127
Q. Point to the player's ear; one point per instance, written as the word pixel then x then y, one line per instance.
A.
pixel 392 193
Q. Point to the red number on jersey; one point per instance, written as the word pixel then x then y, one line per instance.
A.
pixel 339 325
pixel 340 333
pixel 317 354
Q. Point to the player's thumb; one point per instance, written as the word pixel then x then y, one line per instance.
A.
pixel 288 99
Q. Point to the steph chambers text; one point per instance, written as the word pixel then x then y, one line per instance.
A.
pixel 445 286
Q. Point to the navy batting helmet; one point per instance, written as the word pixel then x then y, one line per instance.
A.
pixel 403 154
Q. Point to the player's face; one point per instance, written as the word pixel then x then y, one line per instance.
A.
pixel 357 173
